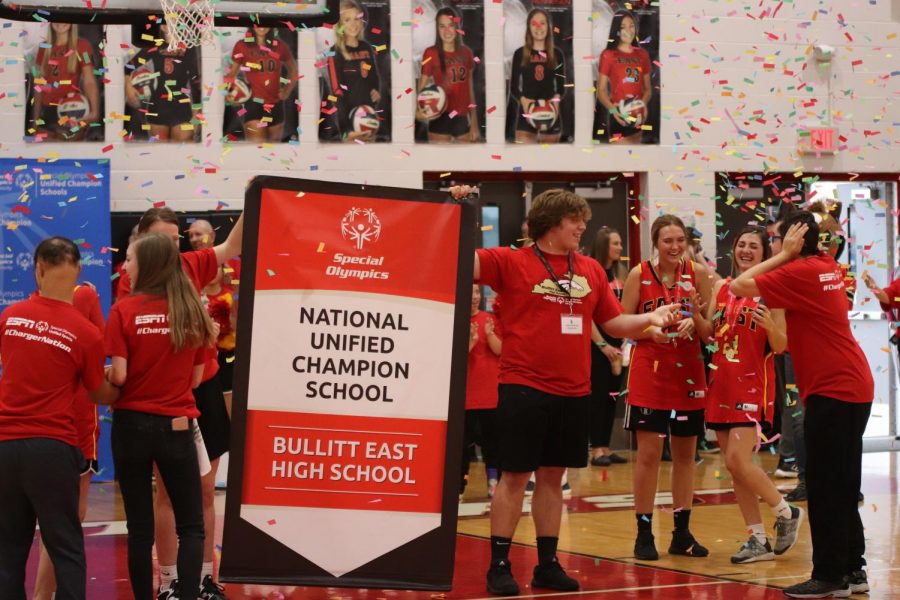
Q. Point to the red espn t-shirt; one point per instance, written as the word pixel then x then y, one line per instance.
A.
pixel 484 367
pixel 201 267
pixel 159 379
pixel 892 308
pixel 535 351
pixel 59 81
pixel 264 64
pixel 827 359
pixel 48 350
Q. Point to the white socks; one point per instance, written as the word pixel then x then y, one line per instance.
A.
pixel 167 574
pixel 759 532
pixel 206 570
pixel 782 509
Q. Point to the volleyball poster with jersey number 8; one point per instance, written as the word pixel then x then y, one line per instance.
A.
pixel 448 52
pixel 354 65
pixel 537 43
pixel 625 59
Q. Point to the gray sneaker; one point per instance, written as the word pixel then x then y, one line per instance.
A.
pixel 753 551
pixel 787 530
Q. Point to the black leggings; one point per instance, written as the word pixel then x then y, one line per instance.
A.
pixel 138 441
pixel 481 429
pixel 603 406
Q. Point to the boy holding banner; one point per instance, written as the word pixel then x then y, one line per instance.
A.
pixel 550 293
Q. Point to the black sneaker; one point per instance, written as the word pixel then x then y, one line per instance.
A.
pixel 210 590
pixel 553 577
pixel 858 581
pixel 818 589
pixel 798 494
pixel 500 580
pixel 684 544
pixel 860 497
pixel 645 547
pixel 601 461
pixel 616 459
pixel 170 593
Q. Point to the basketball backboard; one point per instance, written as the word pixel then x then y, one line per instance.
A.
pixel 228 12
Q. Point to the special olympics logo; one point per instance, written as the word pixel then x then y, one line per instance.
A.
pixel 25 261
pixel 24 181
pixel 361 225
pixel 42 326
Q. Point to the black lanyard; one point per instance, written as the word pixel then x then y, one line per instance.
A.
pixel 565 290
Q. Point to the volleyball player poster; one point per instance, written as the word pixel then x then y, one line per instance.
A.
pixel 625 54
pixel 354 64
pixel 260 84
pixel 448 52
pixel 350 390
pixel 537 52
pixel 64 74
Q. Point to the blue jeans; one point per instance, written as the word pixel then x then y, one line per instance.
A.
pixel 39 482
pixel 138 441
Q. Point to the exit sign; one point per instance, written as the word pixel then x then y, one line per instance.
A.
pixel 817 140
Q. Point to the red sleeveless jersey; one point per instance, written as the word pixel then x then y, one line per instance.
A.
pixel 666 376
pixel 742 376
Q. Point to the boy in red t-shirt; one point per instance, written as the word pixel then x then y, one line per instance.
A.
pixel 48 350
pixel 481 393
pixel 837 387
pixel 551 293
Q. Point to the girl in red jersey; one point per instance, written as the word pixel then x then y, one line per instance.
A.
pixel 265 61
pixel 666 383
pixel 481 393
pixel 87 422
pixel 538 78
pixel 450 64
pixel 624 78
pixel 64 71
pixel 157 338
pixel 742 396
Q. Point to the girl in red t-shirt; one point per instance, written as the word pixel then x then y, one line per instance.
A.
pixel 64 78
pixel 481 393
pixel 624 77
pixel 157 338
pixel 666 383
pixel 746 335
pixel 450 64
pixel 264 61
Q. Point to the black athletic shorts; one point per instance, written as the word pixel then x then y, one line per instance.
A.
pixel 50 117
pixel 170 114
pixel 524 125
pixel 684 423
pixel 616 129
pixel 226 369
pixel 213 421
pixel 458 126
pixel 538 429
pixel 256 111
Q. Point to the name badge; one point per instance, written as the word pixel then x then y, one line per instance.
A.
pixel 572 324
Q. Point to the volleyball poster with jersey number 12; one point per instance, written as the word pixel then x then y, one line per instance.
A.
pixel 349 386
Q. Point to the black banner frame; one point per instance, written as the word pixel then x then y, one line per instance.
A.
pixel 251 556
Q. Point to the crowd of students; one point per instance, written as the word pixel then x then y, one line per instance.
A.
pixel 559 332
pixel 557 301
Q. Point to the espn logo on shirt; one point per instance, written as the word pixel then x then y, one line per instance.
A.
pixel 143 321
pixel 20 322
pixel 834 281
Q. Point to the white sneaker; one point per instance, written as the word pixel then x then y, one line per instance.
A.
pixel 753 551
pixel 787 530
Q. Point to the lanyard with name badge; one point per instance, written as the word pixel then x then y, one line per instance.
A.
pixel 570 324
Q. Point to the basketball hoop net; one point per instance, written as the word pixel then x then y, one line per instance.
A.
pixel 190 22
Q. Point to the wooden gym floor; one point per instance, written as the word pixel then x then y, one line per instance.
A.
pixel 595 543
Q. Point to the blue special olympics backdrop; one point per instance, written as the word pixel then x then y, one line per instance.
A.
pixel 43 198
